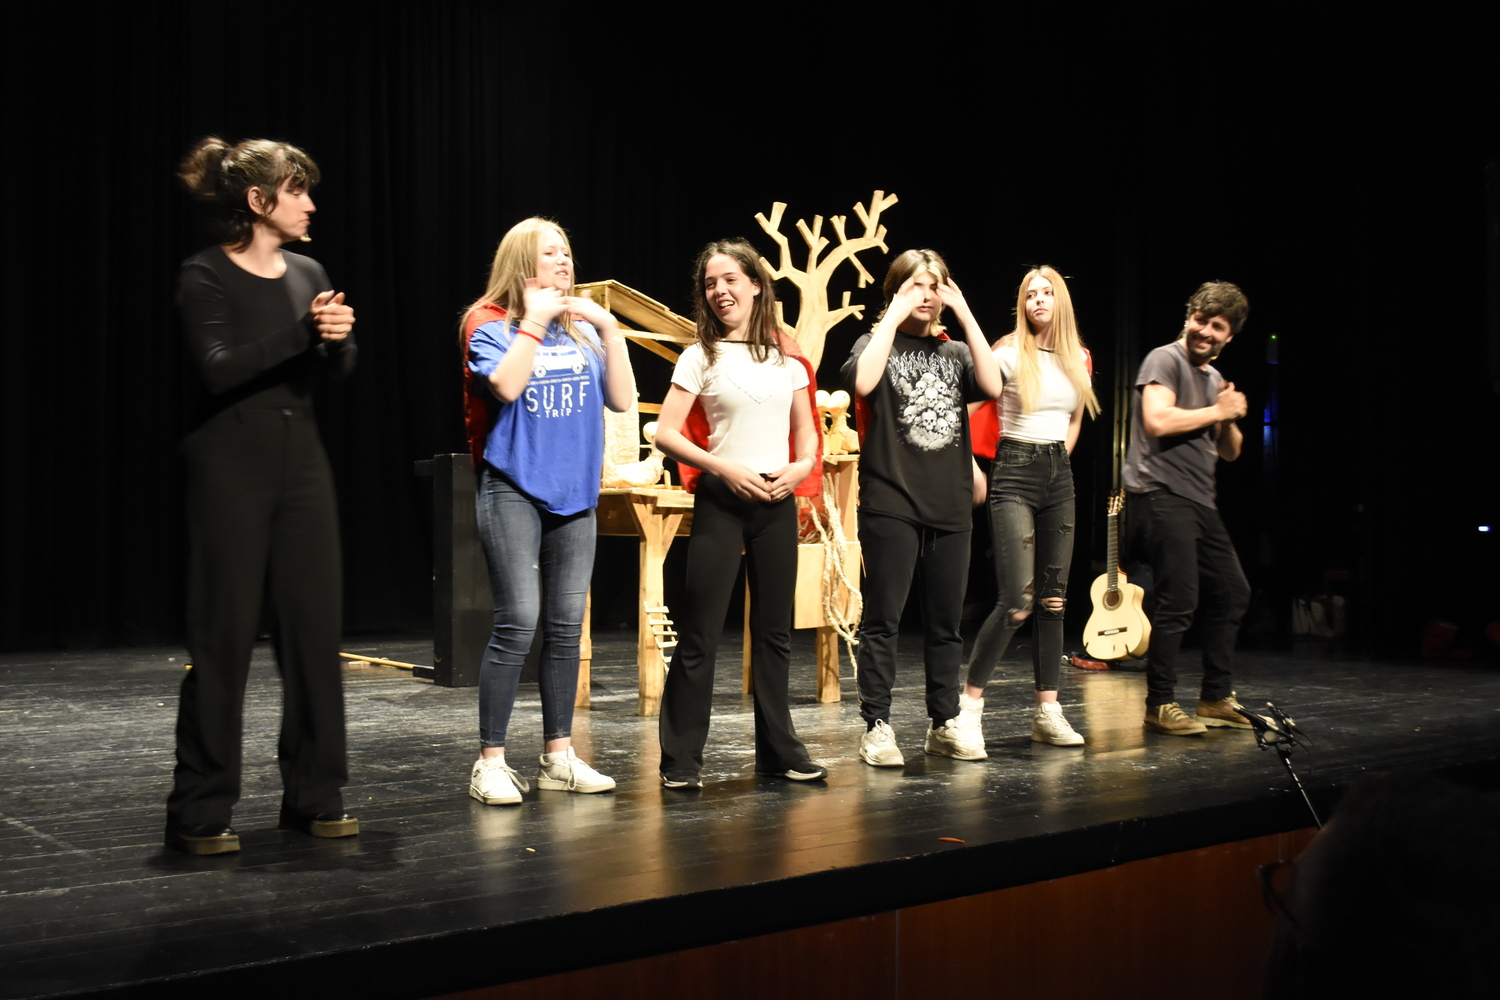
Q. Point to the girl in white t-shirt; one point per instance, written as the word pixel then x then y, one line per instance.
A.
pixel 739 419
pixel 1045 368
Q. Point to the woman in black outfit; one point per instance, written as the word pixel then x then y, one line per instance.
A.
pixel 261 327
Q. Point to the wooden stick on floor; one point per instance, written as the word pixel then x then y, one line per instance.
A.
pixel 384 663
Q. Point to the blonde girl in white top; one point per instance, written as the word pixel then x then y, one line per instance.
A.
pixel 1030 496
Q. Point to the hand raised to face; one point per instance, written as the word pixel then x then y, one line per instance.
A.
pixel 583 307
pixel 951 297
pixel 542 304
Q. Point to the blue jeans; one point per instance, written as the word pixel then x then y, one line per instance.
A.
pixel 1031 520
pixel 531 552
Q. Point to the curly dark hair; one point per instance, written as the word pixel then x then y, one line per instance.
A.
pixel 1220 298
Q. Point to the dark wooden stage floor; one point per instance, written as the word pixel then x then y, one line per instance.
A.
pixel 440 894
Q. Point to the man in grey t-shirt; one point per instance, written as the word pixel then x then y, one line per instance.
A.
pixel 1182 422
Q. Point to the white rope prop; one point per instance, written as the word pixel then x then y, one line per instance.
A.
pixel 835 570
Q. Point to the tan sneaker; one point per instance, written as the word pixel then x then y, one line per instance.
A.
pixel 1171 720
pixel 1221 713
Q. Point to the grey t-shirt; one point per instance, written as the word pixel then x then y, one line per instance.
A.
pixel 1182 464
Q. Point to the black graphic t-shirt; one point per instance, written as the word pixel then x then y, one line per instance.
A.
pixel 914 453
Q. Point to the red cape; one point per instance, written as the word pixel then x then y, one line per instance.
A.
pixel 481 408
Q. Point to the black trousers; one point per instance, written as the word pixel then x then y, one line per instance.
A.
pixel 723 525
pixel 262 523
pixel 1195 572
pixel 894 551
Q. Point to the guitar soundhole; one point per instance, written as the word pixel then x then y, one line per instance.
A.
pixel 1111 599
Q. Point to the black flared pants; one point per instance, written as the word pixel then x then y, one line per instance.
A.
pixel 262 524
pixel 723 526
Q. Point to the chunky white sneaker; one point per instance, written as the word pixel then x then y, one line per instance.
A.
pixel 1049 726
pixel 495 784
pixel 878 747
pixel 970 710
pixel 566 773
pixel 948 740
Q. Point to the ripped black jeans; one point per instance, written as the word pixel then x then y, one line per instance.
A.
pixel 1031 523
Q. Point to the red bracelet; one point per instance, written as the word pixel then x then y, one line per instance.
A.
pixel 526 334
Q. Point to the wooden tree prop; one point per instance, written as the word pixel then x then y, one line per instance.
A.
pixel 814 318
pixel 826 597
pixel 828 560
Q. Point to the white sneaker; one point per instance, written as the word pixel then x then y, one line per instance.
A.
pixel 566 773
pixel 878 747
pixel 1049 726
pixel 494 784
pixel 948 740
pixel 968 722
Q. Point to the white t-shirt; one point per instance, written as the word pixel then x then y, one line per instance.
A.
pixel 749 405
pixel 1055 402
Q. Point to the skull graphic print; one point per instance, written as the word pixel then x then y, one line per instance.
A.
pixel 931 410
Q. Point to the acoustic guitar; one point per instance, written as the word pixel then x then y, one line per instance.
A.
pixel 1117 628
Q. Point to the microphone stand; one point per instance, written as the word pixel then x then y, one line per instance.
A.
pixel 1280 733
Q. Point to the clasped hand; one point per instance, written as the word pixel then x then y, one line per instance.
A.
pixel 333 320
pixel 1231 402
pixel 778 485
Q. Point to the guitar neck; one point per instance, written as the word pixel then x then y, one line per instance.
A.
pixel 1114 552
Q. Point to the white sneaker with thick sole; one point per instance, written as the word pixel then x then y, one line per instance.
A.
pixel 1049 726
pixel 566 773
pixel 878 747
pixel 948 740
pixel 495 784
pixel 970 711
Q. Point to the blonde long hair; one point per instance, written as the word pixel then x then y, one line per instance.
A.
pixel 1067 345
pixel 515 261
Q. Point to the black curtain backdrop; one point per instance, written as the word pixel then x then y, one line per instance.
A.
pixel 1332 167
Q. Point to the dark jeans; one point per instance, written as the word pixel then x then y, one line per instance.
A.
pixel 1031 522
pixel 1194 566
pixel 262 525
pixel 531 551
pixel 723 526
pixel 894 551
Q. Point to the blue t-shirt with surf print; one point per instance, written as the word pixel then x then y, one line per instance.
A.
pixel 550 442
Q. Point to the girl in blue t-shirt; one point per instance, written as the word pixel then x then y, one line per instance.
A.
pixel 540 365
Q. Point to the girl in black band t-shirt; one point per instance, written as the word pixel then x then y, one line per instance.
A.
pixel 912 383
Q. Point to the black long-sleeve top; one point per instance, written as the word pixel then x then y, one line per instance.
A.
pixel 251 338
